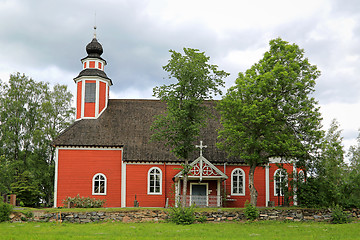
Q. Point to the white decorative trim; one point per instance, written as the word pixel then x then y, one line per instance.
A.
pixel 105 185
pixel 203 161
pixel 89 148
pixel 243 185
pixel 148 182
pixel 123 181
pixel 56 175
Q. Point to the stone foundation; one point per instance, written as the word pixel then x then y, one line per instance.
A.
pixel 148 215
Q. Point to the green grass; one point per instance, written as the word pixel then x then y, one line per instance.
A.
pixel 229 230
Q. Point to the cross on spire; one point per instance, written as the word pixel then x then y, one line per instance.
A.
pixel 201 146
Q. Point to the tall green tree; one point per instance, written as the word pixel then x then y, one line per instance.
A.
pixel 325 182
pixel 270 111
pixel 352 177
pixel 196 81
pixel 31 116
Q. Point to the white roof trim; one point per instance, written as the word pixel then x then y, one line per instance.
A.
pixel 203 161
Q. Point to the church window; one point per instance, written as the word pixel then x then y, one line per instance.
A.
pixel 99 184
pixel 90 92
pixel 154 181
pixel 238 182
pixel 92 64
pixel 100 65
pixel 301 176
pixel 280 182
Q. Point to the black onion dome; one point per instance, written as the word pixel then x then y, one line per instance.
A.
pixel 94 48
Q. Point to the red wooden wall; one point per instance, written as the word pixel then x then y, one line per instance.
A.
pixel 77 167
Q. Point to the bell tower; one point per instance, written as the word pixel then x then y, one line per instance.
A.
pixel 92 83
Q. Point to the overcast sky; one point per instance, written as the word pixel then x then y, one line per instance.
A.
pixel 46 40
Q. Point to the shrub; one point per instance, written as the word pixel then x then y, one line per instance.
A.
pixel 84 202
pixel 182 215
pixel 251 212
pixel 5 211
pixel 339 216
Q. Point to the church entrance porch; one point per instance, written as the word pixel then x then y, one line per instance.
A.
pixel 204 183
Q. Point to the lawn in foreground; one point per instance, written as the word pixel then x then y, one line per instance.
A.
pixel 228 230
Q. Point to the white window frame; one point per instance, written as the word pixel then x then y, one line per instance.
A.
pixel 93 184
pixel 301 176
pixel 160 181
pixel 243 183
pixel 285 177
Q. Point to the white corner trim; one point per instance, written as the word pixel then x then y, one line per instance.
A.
pixel 267 185
pixel 82 98
pixel 97 94
pixel 123 182
pixel 56 175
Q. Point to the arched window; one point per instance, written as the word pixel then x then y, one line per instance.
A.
pixel 238 182
pixel 154 181
pixel 99 184
pixel 280 182
pixel 301 176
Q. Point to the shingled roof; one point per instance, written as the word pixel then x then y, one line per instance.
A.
pixel 126 123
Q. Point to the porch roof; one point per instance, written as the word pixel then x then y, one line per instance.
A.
pixel 201 169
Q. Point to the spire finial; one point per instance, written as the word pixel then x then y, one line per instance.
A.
pixel 95 25
pixel 95 31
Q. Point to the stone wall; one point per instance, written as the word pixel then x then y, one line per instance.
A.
pixel 149 215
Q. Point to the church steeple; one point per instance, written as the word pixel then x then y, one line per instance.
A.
pixel 92 83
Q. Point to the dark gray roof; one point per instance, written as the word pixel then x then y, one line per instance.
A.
pixel 127 123
pixel 93 72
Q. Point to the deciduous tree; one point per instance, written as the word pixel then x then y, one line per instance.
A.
pixel 31 116
pixel 270 112
pixel 196 81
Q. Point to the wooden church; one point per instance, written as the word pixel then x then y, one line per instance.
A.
pixel 106 154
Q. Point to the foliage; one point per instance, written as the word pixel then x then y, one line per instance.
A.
pixel 328 178
pixel 26 189
pixel 182 215
pixel 31 115
pixel 196 81
pixel 5 211
pixel 270 111
pixel 250 211
pixel 339 216
pixel 352 177
pixel 84 202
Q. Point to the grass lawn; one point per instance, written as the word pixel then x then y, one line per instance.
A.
pixel 229 230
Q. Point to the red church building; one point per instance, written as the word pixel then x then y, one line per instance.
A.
pixel 107 154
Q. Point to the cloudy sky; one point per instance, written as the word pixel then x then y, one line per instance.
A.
pixel 46 40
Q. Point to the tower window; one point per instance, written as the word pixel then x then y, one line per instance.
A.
pixel 90 92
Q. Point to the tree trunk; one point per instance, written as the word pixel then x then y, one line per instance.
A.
pixel 183 200
pixel 253 191
pixel 185 178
